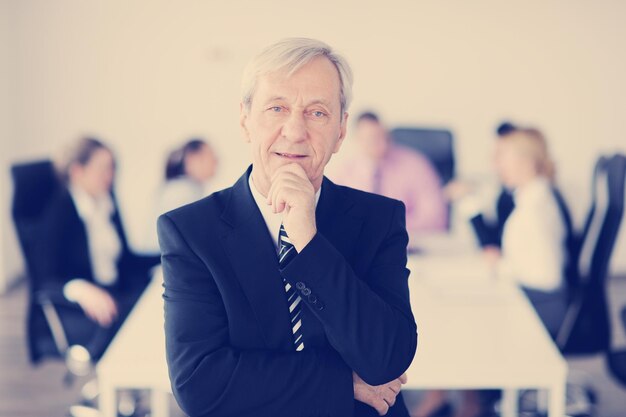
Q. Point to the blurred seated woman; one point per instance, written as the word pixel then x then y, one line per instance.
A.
pixel 533 251
pixel 535 235
pixel 83 250
pixel 188 171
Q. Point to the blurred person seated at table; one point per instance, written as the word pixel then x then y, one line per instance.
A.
pixel 83 250
pixel 188 172
pixel 395 171
pixel 526 243
pixel 486 206
pixel 534 238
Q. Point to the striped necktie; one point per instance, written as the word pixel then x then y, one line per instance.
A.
pixel 285 254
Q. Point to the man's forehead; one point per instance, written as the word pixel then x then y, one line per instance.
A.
pixel 309 100
pixel 313 84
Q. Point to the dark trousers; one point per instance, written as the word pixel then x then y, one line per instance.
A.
pixel 550 306
pixel 81 330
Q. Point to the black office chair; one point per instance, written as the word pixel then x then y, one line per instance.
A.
pixel 586 328
pixel 35 184
pixel 436 144
pixel 616 360
pixel 570 270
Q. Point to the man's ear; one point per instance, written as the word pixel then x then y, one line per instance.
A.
pixel 243 119
pixel 342 132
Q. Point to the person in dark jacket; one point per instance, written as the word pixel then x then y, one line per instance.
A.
pixel 83 254
pixel 286 294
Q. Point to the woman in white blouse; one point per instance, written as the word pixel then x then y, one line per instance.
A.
pixel 188 171
pixel 83 254
pixel 534 251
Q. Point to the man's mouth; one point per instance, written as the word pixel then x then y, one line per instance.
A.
pixel 290 155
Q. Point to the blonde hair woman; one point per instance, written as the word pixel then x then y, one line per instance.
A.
pixel 534 252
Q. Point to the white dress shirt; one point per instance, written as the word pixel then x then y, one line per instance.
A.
pixel 102 238
pixel 533 240
pixel 272 220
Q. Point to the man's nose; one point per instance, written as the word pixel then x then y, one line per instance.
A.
pixel 294 128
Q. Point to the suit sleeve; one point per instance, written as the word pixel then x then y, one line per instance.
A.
pixel 367 319
pixel 211 377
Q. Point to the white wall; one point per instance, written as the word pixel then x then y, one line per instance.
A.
pixel 145 75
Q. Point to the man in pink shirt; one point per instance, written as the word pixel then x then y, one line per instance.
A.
pixel 395 171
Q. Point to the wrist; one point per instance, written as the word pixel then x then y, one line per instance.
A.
pixel 305 240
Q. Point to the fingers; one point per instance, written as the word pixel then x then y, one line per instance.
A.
pixel 389 396
pixel 403 378
pixel 395 386
pixel 381 406
pixel 110 309
pixel 91 314
pixel 283 189
pixel 98 314
pixel 104 315
pixel 293 167
pixel 100 307
pixel 280 191
pixel 107 308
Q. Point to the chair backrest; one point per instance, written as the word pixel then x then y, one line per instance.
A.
pixel 604 219
pixel 588 330
pixel 34 185
pixel 571 242
pixel 436 144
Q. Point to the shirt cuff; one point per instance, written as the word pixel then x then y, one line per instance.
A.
pixel 74 289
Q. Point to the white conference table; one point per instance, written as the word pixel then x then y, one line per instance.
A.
pixel 474 332
pixel 478 332
pixel 135 359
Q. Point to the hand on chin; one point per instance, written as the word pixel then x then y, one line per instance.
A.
pixel 292 194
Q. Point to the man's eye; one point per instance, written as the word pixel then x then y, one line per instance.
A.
pixel 319 114
pixel 276 109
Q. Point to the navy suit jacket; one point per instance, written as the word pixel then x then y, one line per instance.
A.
pixel 227 325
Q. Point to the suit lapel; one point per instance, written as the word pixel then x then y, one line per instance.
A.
pixel 335 221
pixel 253 256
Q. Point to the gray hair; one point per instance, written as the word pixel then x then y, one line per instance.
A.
pixel 290 54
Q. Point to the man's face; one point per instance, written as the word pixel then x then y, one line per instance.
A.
pixel 295 119
pixel 373 139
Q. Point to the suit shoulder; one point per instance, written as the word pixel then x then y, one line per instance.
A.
pixel 370 201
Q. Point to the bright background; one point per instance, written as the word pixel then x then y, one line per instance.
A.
pixel 146 75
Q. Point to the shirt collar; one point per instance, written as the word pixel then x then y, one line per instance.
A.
pixel 88 206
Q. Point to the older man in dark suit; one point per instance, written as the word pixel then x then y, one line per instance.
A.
pixel 285 294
